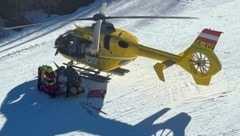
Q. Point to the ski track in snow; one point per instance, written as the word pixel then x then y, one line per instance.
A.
pixel 136 97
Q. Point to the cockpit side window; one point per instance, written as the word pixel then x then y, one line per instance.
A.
pixel 123 44
pixel 107 42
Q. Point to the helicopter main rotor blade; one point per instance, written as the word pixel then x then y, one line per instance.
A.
pixel 103 8
pixel 83 19
pixel 150 17
pixel 96 37
pixel 20 26
pixel 35 24
pixel 103 17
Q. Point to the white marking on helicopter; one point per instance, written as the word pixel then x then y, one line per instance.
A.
pixel 209 36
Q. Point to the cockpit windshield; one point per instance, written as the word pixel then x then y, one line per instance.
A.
pixel 73 46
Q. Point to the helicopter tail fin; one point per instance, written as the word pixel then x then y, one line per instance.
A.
pixel 199 59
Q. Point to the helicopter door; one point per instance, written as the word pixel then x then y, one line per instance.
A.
pixel 82 49
pixel 78 47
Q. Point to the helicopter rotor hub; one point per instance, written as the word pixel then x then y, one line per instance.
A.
pixel 99 16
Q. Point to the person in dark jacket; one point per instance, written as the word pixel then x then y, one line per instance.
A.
pixel 72 77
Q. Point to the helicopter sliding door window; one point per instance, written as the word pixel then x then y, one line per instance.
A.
pixel 107 42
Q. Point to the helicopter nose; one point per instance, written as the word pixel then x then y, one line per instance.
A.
pixel 56 43
pixel 56 46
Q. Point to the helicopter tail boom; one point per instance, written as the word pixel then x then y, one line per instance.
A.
pixel 199 59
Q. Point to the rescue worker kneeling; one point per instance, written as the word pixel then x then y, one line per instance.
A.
pixel 73 80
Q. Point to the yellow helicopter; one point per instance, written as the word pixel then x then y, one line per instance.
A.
pixel 106 48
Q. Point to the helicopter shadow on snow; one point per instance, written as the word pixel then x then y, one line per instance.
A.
pixel 29 112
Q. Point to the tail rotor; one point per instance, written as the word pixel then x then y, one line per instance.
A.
pixel 199 59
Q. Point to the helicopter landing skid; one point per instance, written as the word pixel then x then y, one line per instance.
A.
pixel 95 77
pixel 94 74
pixel 119 71
pixel 90 73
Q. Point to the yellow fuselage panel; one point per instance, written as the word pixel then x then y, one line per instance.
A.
pixel 116 55
pixel 115 37
pixel 117 49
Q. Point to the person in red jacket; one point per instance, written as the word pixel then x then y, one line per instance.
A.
pixel 50 81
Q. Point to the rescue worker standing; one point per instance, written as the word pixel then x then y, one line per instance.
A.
pixel 72 77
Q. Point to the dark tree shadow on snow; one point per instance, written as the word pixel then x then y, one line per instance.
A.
pixel 29 112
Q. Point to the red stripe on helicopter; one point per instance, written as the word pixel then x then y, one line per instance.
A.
pixel 212 32
pixel 202 39
pixel 209 36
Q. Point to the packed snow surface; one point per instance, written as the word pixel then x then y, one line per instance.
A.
pixel 137 103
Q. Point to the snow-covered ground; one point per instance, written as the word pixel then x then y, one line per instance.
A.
pixel 138 103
